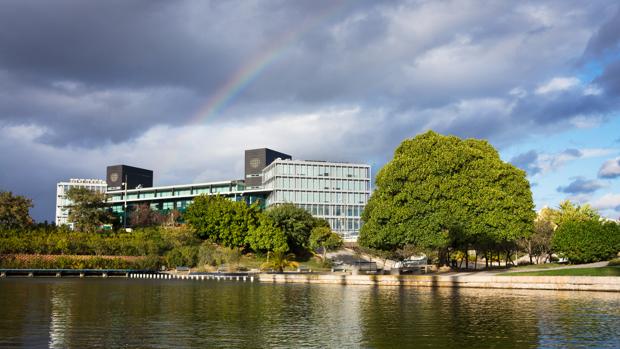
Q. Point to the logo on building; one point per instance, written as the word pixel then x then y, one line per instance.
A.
pixel 254 163
pixel 113 177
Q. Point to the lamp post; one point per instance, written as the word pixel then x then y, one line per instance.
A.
pixel 125 204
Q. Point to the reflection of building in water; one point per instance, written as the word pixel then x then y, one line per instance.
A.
pixel 60 318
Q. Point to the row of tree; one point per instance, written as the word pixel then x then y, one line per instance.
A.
pixel 232 227
pixel 280 229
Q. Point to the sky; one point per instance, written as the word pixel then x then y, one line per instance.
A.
pixel 184 87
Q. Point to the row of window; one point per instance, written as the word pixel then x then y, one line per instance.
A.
pixel 318 170
pixel 66 187
pixel 325 210
pixel 318 197
pixel 318 184
pixel 342 225
pixel 169 193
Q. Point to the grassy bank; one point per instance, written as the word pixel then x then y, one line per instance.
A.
pixel 602 271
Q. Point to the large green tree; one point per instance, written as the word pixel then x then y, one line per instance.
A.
pixel 14 211
pixel 87 210
pixel 584 241
pixel 440 191
pixel 221 220
pixel 296 224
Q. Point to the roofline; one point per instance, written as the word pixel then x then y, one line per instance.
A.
pixel 176 186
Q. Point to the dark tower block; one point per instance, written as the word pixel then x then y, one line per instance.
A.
pixel 134 176
pixel 255 161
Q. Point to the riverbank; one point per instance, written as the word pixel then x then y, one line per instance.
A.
pixel 568 283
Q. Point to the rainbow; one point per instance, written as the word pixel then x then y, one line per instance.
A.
pixel 254 66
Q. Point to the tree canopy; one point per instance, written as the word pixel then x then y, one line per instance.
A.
pixel 88 210
pixel 296 224
pixel 14 211
pixel 221 220
pixel 585 241
pixel 325 239
pixel 442 190
pixel 267 237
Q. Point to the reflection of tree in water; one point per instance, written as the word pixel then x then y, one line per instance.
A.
pixel 579 319
pixel 25 312
pixel 155 313
pixel 447 317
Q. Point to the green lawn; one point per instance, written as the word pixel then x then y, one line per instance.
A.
pixel 602 271
pixel 537 266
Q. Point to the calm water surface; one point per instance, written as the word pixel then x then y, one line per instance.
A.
pixel 128 313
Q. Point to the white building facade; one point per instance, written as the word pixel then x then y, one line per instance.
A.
pixel 337 192
pixel 62 203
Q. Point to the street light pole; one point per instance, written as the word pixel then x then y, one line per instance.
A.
pixel 125 204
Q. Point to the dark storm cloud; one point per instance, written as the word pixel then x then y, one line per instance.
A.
pixel 610 80
pixel 581 186
pixel 607 38
pixel 99 74
pixel 378 55
pixel 527 161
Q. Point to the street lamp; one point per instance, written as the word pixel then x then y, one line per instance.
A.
pixel 125 203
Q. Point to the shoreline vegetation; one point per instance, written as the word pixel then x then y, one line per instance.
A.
pixel 451 202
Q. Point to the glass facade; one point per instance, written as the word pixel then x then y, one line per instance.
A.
pixel 336 192
pixel 167 198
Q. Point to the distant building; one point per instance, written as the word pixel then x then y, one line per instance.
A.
pixel 337 192
pixel 62 203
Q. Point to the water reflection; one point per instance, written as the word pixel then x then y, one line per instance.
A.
pixel 61 313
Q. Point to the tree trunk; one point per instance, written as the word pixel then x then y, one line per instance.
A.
pixel 466 257
pixel 476 260
pixel 529 250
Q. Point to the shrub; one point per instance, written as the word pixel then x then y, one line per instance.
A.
pixel 182 256
pixel 587 241
pixel 208 254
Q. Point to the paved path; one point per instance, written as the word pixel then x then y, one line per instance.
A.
pixel 348 256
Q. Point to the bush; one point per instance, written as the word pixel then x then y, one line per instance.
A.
pixel 587 241
pixel 209 255
pixel 182 256
pixel 77 262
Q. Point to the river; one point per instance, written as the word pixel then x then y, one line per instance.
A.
pixel 134 313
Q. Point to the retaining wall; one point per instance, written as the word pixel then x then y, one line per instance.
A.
pixel 573 283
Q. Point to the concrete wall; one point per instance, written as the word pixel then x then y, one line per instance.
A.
pixel 574 283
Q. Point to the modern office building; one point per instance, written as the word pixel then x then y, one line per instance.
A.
pixel 62 203
pixel 335 191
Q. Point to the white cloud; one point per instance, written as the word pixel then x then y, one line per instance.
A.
pixel 558 84
pixel 589 121
pixel 549 162
pixel 607 202
pixel 592 90
pixel 610 168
